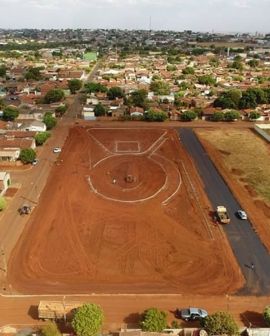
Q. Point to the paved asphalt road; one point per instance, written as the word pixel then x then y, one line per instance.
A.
pixel 245 243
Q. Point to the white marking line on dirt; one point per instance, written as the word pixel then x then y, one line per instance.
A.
pixel 208 228
pixel 86 295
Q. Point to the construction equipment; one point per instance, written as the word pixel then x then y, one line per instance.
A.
pixel 25 210
pixel 57 310
pixel 222 215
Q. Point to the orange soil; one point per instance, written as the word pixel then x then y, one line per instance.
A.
pixel 114 222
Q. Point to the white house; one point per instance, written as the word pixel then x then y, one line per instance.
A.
pixel 35 126
pixel 4 182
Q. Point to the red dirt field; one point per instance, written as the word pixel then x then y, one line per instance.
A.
pixel 123 212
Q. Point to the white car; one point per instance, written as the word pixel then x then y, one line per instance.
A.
pixel 57 150
pixel 241 214
pixel 35 162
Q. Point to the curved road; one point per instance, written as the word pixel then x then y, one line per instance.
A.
pixel 245 243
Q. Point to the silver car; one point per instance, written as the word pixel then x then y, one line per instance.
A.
pixel 191 314
pixel 241 214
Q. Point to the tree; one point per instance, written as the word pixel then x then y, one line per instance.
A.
pixel 94 87
pixel 237 65
pixel 87 320
pixel 100 110
pixel 152 115
pixel 2 104
pixel 33 74
pixel 10 113
pixel 3 203
pixel 188 116
pixel 229 99
pixel 74 85
pixel 188 71
pixel 60 110
pixel 41 138
pixel 49 120
pixel 253 63
pixel 248 100
pixel 27 155
pixel 217 116
pixel 220 323
pixel 266 315
pixel 115 92
pixel 254 115
pixel 154 320
pixel 50 329
pixel 160 87
pixel 231 115
pixel 206 80
pixel 139 98
pixel 53 96
pixel 3 70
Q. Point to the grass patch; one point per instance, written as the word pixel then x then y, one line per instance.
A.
pixel 245 153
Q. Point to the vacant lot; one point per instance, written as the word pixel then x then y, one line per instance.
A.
pixel 123 212
pixel 243 158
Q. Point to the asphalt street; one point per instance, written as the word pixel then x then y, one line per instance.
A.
pixel 245 243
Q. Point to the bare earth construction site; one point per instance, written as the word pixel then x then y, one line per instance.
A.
pixel 123 212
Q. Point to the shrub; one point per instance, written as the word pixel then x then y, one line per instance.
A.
pixel 188 116
pixel 41 138
pixel 154 320
pixel 49 120
pixel 3 203
pixel 266 315
pixel 27 155
pixel 218 116
pixel 220 323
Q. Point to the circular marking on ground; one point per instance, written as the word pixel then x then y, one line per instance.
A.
pixel 128 178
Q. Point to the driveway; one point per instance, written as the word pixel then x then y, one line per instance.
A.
pixel 245 243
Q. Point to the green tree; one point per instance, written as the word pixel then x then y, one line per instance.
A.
pixel 100 110
pixel 206 80
pixel 229 99
pixel 49 120
pixel 88 320
pixel 53 96
pixel 217 116
pixel 60 110
pixel 27 155
pixel 231 115
pixel 139 98
pixel 155 116
pixel 253 63
pixel 3 203
pixel 50 329
pixel 220 323
pixel 3 70
pixel 10 113
pixel 248 100
pixel 160 87
pixel 115 92
pixel 74 85
pixel 266 315
pixel 254 115
pixel 2 104
pixel 188 71
pixel 188 116
pixel 94 87
pixel 41 138
pixel 33 74
pixel 154 320
pixel 237 65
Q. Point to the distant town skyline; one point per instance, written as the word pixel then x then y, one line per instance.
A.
pixel 178 15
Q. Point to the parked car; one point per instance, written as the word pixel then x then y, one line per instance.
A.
pixel 191 314
pixel 57 150
pixel 35 162
pixel 241 214
pixel 25 210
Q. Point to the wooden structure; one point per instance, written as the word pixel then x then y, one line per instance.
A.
pixel 57 310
